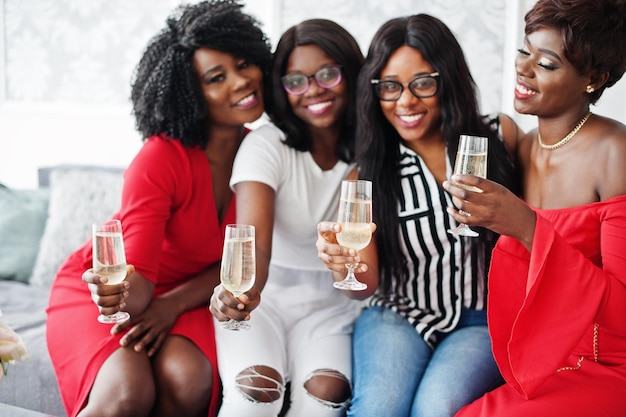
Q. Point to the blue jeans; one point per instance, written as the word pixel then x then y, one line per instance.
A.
pixel 396 374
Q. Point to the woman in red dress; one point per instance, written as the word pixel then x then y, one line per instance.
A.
pixel 198 82
pixel 557 283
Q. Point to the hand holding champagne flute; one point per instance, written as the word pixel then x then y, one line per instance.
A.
pixel 471 158
pixel 109 260
pixel 238 270
pixel 355 217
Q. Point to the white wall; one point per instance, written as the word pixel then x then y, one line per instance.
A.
pixel 65 69
pixel 35 135
pixel 42 124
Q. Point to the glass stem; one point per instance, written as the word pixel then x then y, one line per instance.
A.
pixel 351 276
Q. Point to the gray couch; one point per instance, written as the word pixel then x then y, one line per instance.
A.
pixel 38 229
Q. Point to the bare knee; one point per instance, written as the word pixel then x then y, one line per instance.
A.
pixel 126 402
pixel 190 378
pixel 183 377
pixel 260 384
pixel 328 386
pixel 123 387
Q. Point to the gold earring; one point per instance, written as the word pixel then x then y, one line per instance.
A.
pixel 590 89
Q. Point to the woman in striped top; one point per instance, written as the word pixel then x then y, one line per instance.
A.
pixel 421 345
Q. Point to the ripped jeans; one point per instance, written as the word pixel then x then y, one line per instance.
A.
pixel 300 333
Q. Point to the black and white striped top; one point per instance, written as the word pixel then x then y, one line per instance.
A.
pixel 443 274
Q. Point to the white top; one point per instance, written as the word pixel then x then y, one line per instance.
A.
pixel 305 194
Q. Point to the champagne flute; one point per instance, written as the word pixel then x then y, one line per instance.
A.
pixel 355 217
pixel 109 260
pixel 471 158
pixel 238 270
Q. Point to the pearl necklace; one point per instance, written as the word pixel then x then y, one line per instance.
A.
pixel 566 138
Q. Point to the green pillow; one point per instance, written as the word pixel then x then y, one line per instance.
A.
pixel 23 215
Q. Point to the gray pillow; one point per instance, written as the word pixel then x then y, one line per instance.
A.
pixel 78 198
pixel 30 383
pixel 23 216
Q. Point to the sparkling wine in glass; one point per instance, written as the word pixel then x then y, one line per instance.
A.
pixel 109 260
pixel 238 270
pixel 355 217
pixel 471 158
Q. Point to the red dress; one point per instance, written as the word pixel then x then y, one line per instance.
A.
pixel 171 233
pixel 557 317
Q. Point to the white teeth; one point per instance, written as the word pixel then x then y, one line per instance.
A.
pixel 410 118
pixel 317 107
pixel 524 90
pixel 246 100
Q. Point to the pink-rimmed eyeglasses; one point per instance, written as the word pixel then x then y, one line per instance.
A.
pixel 326 77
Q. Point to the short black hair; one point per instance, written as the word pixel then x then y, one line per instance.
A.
pixel 166 94
pixel 593 34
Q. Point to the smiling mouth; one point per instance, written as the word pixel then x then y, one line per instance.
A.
pixel 319 107
pixel 410 118
pixel 246 101
pixel 525 91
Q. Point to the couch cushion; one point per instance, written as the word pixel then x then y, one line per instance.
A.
pixel 30 383
pixel 23 216
pixel 78 198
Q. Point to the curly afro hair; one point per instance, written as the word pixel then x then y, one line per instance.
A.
pixel 166 95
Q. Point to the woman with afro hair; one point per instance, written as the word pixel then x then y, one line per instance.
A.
pixel 199 81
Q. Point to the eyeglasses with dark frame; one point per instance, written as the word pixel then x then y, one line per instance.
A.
pixel 325 77
pixel 422 86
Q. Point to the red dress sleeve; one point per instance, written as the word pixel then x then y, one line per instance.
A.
pixel 543 304
pixel 155 185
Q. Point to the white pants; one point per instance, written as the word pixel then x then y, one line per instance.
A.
pixel 303 324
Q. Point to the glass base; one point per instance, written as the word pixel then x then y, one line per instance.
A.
pixel 463 230
pixel 235 325
pixel 118 317
pixel 350 285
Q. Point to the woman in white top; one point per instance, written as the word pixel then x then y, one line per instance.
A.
pixel 287 177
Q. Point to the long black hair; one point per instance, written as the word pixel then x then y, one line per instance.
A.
pixel 166 94
pixel 344 50
pixel 378 151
